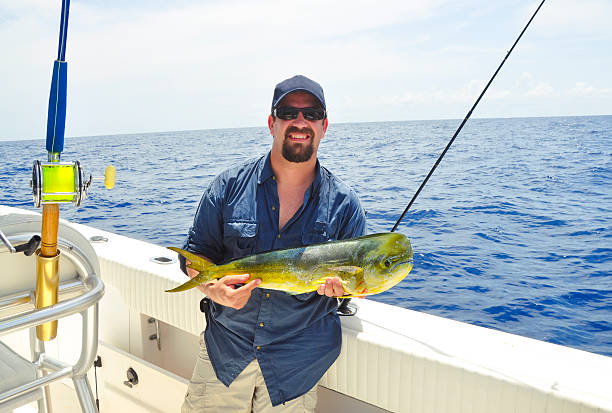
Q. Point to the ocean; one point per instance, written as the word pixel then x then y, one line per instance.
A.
pixel 512 232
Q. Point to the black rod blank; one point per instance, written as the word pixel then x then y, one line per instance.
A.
pixel 464 120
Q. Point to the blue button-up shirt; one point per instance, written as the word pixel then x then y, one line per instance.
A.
pixel 295 338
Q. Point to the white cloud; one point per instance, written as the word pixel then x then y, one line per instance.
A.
pixel 542 90
pixel 471 90
pixel 571 16
pixel 464 94
pixel 583 89
pixel 153 69
pixel 525 80
pixel 213 64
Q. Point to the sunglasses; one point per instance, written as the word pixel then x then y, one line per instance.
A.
pixel 289 113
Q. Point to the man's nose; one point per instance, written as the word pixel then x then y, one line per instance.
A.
pixel 300 118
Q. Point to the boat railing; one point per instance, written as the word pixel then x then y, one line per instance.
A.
pixel 79 293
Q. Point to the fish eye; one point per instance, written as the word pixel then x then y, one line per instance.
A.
pixel 387 263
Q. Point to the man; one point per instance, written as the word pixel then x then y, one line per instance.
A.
pixel 265 350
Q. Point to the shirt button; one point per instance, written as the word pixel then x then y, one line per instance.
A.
pixel 267 295
pixel 258 347
pixel 261 324
pixel 273 178
pixel 273 207
pixel 278 236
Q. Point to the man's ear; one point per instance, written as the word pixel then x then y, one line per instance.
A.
pixel 325 122
pixel 271 124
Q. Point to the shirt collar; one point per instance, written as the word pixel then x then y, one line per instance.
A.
pixel 314 188
pixel 266 172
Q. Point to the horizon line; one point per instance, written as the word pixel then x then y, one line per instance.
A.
pixel 334 123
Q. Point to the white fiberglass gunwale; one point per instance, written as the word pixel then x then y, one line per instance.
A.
pixel 392 358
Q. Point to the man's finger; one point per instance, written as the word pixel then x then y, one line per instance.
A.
pixel 329 288
pixel 252 285
pixel 191 272
pixel 235 279
pixel 338 288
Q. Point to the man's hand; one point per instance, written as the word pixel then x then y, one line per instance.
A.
pixel 331 288
pixel 223 291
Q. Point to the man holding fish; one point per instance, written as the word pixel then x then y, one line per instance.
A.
pixel 264 350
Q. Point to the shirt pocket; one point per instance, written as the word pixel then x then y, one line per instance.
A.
pixel 240 237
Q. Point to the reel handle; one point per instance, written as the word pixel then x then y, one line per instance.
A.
pixel 109 177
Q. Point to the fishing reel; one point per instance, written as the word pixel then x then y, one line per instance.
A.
pixel 63 182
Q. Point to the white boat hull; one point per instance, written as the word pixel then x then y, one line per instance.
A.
pixel 392 358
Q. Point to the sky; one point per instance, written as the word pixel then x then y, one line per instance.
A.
pixel 151 65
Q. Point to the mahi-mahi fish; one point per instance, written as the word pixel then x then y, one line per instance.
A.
pixel 365 265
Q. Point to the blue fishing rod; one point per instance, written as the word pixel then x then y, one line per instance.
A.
pixel 54 182
pixel 465 120
pixel 56 115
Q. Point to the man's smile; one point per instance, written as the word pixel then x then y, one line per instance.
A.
pixel 299 135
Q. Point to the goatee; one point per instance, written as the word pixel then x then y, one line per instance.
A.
pixel 297 152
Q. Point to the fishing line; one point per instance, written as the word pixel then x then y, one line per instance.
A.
pixel 465 120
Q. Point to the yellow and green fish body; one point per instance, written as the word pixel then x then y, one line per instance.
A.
pixel 366 265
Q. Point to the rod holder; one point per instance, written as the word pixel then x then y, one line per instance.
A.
pixel 47 281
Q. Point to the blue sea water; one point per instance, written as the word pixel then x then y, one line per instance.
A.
pixel 513 231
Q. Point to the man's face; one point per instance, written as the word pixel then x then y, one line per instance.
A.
pixel 297 139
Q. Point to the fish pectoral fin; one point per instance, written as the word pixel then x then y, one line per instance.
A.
pixel 343 272
pixel 359 294
pixel 347 269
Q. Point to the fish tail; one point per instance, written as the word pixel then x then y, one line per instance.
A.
pixel 197 263
pixel 194 282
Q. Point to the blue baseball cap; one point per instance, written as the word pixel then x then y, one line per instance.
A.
pixel 294 84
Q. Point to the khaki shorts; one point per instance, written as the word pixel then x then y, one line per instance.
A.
pixel 247 393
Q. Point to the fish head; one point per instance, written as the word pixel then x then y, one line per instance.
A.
pixel 387 263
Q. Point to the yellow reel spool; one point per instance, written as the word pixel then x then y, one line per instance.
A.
pixel 57 182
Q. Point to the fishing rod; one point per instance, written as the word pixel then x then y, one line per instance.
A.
pixel 51 173
pixel 54 182
pixel 465 120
